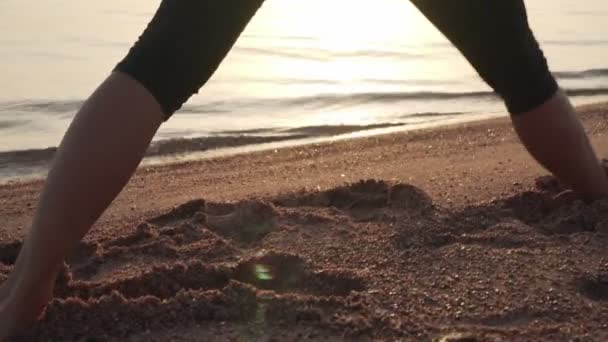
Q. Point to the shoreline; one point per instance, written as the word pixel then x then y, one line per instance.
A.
pixel 31 164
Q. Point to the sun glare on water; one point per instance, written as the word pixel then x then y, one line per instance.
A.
pixel 344 43
pixel 344 32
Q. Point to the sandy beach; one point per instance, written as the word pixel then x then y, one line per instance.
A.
pixel 441 234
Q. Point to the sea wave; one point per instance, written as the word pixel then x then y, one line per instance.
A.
pixel 577 42
pixel 41 158
pixel 322 55
pixel 313 101
pixel 327 99
pixel 41 106
pixel 591 73
pixel 316 101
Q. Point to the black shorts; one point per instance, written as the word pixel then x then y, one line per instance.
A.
pixel 187 39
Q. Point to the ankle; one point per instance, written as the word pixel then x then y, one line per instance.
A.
pixel 34 289
pixel 17 314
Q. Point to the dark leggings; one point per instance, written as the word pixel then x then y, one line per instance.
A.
pixel 187 40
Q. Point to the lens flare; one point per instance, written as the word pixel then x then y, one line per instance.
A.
pixel 263 272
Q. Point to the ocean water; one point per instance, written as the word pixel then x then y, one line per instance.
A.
pixel 301 70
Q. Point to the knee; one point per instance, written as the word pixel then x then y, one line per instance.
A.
pixel 520 76
pixel 522 89
pixel 183 46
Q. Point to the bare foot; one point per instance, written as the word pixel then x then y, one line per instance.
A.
pixel 549 184
pixel 14 318
pixel 5 288
pixel 19 309
pixel 562 194
pixel 5 291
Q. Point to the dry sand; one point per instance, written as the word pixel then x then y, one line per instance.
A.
pixel 435 234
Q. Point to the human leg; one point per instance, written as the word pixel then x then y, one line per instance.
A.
pixel 176 55
pixel 495 37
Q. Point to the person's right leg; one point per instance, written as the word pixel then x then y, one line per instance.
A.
pixel 176 55
pixel 496 39
pixel 555 137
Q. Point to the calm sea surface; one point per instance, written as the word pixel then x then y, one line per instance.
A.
pixel 299 64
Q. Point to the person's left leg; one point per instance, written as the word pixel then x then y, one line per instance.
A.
pixel 100 151
pixel 176 55
pixel 496 39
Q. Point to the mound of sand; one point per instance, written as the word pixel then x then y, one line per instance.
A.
pixel 369 259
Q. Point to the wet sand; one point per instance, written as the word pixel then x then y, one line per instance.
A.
pixel 437 234
pixel 34 163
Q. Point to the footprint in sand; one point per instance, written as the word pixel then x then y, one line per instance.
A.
pixel 194 230
pixel 180 213
pixel 92 261
pixel 278 272
pixel 369 193
pixel 287 273
pixel 459 337
pixel 146 246
pixel 363 201
pixel 594 287
pixel 9 252
pixel 504 235
pixel 245 221
pixel 536 210
pixel 520 221
pixel 274 286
